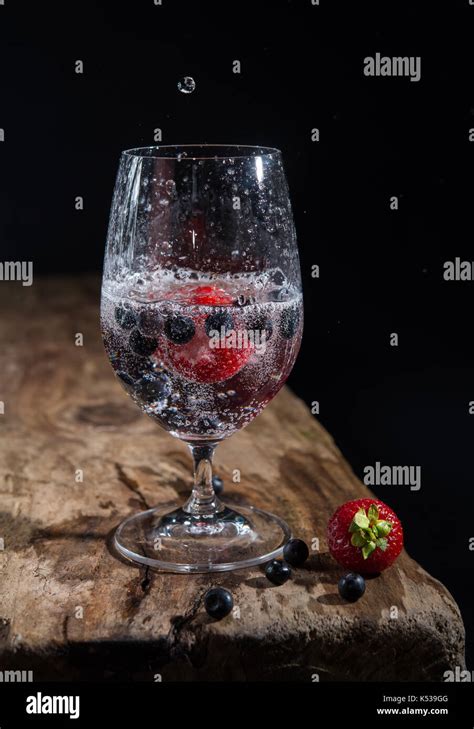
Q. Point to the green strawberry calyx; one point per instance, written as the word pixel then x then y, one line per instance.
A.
pixel 368 531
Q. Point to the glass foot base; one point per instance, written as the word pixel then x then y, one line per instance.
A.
pixel 169 538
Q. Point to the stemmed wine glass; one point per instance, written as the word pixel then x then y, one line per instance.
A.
pixel 202 317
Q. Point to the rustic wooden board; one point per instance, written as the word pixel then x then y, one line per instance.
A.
pixel 69 608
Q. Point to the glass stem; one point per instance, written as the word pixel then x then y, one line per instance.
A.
pixel 203 501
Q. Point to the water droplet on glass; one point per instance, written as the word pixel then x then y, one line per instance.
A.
pixel 181 156
pixel 231 393
pixel 186 85
pixel 280 295
pixel 221 395
pixel 278 277
pixel 170 187
pixel 245 300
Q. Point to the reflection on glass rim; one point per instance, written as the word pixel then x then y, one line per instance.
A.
pixel 201 151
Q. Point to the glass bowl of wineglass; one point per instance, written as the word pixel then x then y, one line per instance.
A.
pixel 202 317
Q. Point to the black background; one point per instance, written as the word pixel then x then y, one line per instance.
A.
pixel 381 271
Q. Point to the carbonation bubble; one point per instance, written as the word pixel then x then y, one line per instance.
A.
pixel 186 85
pixel 170 187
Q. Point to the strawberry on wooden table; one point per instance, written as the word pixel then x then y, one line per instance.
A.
pixel 365 535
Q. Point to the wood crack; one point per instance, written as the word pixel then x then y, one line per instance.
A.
pixel 136 593
pixel 146 582
pixel 179 625
pixel 132 485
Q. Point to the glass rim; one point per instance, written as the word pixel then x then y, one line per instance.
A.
pixel 235 151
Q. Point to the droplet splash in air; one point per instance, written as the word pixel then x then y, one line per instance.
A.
pixel 186 85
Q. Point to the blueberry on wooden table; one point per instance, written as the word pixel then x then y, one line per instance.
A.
pixel 296 552
pixel 351 586
pixel 218 602
pixel 277 571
